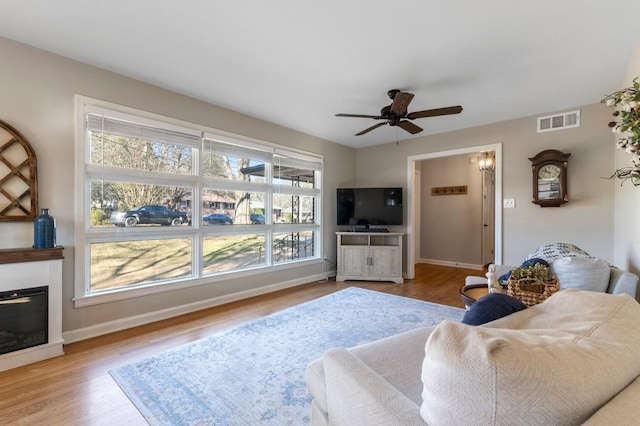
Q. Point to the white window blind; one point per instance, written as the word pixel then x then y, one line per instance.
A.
pixel 221 148
pixel 115 126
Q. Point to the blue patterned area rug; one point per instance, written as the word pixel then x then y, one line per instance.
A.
pixel 254 374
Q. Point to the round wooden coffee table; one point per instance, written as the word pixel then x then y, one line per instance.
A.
pixel 470 293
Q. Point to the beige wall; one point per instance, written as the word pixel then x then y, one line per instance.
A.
pixel 37 98
pixel 587 220
pixel 627 205
pixel 451 225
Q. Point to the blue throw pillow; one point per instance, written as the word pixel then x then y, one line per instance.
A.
pixel 533 261
pixel 504 278
pixel 491 307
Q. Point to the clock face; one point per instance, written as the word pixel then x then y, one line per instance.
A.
pixel 549 172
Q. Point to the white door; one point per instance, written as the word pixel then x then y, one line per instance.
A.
pixel 488 218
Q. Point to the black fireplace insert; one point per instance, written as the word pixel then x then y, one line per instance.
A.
pixel 24 318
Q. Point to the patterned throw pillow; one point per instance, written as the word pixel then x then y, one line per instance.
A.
pixel 551 252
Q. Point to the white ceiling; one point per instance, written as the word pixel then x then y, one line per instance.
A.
pixel 299 62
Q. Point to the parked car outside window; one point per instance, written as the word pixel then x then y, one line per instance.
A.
pixel 256 219
pixel 217 219
pixel 148 215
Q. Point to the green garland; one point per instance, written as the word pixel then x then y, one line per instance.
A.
pixel 626 126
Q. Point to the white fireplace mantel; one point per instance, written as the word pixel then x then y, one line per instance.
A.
pixel 26 268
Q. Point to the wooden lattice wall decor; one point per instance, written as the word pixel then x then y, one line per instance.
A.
pixel 18 176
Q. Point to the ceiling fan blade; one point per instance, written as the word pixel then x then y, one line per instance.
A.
pixel 377 117
pixel 400 103
pixel 410 127
pixel 435 112
pixel 375 126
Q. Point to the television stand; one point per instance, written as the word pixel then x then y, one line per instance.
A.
pixel 370 256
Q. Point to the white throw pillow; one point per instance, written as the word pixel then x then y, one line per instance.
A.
pixel 562 360
pixel 582 273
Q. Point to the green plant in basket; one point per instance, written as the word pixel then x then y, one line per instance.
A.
pixel 537 272
pixel 532 284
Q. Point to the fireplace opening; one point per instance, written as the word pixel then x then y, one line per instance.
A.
pixel 24 318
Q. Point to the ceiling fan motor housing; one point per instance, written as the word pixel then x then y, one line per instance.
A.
pixel 392 93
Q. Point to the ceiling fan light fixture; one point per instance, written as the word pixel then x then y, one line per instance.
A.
pixel 487 162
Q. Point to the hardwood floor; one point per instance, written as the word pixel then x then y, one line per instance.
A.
pixel 76 388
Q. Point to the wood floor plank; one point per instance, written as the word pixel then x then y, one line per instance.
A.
pixel 76 388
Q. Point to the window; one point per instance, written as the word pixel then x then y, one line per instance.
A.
pixel 167 203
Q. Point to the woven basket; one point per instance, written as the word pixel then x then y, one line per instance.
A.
pixel 531 291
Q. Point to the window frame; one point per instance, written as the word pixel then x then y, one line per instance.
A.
pixel 86 172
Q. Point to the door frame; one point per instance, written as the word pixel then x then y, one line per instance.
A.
pixel 414 197
pixel 488 225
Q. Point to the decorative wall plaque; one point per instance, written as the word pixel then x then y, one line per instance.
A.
pixel 449 190
pixel 18 176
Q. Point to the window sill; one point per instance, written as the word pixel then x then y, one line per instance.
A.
pixel 156 288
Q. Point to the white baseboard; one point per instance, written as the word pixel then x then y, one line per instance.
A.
pixel 137 320
pixel 30 355
pixel 453 264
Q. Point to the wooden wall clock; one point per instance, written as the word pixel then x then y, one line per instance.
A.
pixel 550 178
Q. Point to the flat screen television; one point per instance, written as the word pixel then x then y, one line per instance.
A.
pixel 364 207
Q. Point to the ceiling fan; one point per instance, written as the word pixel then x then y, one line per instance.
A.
pixel 396 113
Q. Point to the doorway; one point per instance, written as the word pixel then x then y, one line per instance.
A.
pixel 413 193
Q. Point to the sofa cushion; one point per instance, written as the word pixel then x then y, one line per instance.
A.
pixel 581 273
pixel 554 363
pixel 491 307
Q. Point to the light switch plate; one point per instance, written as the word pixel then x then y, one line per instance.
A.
pixel 509 203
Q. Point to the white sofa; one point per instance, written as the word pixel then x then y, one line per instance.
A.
pixel 575 268
pixel 573 359
pixel 620 282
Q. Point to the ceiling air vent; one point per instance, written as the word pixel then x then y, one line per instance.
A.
pixel 559 121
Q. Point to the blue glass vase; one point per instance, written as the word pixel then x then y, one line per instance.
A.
pixel 44 230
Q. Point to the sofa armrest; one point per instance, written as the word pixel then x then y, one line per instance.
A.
pixel 623 409
pixel 622 282
pixel 503 269
pixel 473 280
pixel 356 395
pixel 500 270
